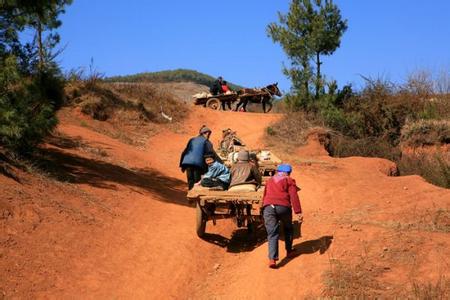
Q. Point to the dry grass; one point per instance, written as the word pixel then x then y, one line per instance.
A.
pixel 348 280
pixel 359 281
pixel 426 133
pixel 130 112
pixel 103 101
pixel 434 167
pixel 341 146
pixel 439 290
pixel 293 131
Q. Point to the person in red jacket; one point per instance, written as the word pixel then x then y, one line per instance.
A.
pixel 225 88
pixel 280 198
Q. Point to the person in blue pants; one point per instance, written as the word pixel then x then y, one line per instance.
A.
pixel 280 198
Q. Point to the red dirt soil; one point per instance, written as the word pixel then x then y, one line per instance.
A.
pixel 110 220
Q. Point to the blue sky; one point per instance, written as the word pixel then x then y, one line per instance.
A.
pixel 228 38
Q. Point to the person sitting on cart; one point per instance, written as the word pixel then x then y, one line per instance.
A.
pixel 217 176
pixel 216 87
pixel 280 198
pixel 225 88
pixel 192 159
pixel 243 172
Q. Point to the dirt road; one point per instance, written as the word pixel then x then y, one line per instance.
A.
pixel 124 229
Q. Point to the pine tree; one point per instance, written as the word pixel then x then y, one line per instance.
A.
pixel 309 30
pixel 31 86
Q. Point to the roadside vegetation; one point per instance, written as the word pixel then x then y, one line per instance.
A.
pixel 129 112
pixel 103 101
pixel 383 119
pixel 31 83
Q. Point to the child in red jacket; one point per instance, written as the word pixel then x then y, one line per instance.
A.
pixel 280 197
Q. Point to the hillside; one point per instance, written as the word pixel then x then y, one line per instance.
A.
pixel 178 75
pixel 99 216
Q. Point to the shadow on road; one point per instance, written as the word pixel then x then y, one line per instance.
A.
pixel 240 241
pixel 67 167
pixel 320 245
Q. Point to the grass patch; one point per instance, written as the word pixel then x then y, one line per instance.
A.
pixel 293 130
pixel 352 281
pixel 439 290
pixel 103 101
pixel 426 133
pixel 342 146
pixel 433 167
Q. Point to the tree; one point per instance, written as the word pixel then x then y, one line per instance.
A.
pixel 309 30
pixel 31 86
pixel 39 15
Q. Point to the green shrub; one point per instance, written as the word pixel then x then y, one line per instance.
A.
pixel 27 106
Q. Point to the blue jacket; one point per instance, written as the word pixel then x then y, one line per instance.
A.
pixel 193 154
pixel 218 171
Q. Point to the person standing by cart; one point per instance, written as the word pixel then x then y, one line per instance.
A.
pixel 280 198
pixel 192 159
pixel 225 90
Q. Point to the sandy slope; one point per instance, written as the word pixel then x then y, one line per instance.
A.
pixel 118 225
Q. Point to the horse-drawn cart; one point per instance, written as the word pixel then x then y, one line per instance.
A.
pixel 215 102
pixel 243 206
pixel 243 96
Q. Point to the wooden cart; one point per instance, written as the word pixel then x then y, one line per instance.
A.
pixel 267 161
pixel 215 102
pixel 244 207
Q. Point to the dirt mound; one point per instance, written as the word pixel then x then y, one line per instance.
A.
pixel 101 218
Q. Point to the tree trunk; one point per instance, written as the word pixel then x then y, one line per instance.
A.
pixel 318 76
pixel 40 45
pixel 306 80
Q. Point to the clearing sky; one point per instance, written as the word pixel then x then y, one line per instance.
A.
pixel 229 38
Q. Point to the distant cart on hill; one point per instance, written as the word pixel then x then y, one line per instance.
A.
pixel 243 96
pixel 214 101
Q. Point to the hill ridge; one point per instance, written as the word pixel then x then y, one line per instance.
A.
pixel 176 75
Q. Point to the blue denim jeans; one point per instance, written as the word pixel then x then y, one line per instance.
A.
pixel 273 215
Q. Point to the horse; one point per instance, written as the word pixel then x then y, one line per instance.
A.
pixel 263 95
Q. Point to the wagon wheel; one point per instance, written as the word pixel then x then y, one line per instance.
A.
pixel 213 103
pixel 201 221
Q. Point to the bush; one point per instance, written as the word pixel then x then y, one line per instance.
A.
pixel 292 130
pixel 426 132
pixel 102 101
pixel 342 146
pixel 27 106
pixel 435 168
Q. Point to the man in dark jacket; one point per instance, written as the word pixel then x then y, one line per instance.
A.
pixel 192 159
pixel 216 88
pixel 280 197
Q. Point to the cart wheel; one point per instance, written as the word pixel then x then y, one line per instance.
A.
pixel 201 221
pixel 213 103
